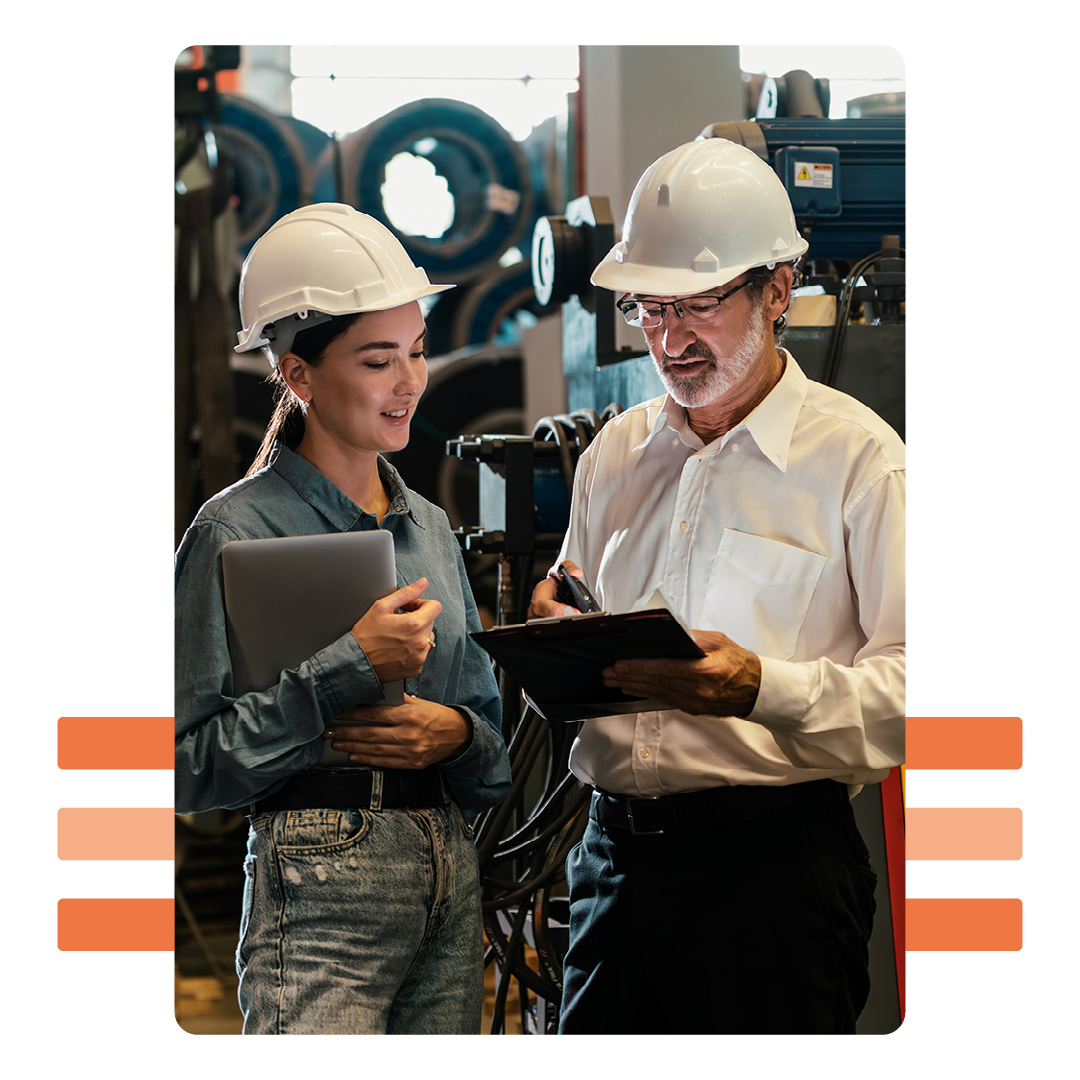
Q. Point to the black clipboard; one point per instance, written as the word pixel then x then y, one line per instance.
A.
pixel 558 662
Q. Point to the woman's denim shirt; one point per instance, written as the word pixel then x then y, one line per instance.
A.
pixel 232 750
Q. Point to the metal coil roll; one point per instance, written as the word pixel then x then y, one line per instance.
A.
pixel 487 308
pixel 484 168
pixel 270 170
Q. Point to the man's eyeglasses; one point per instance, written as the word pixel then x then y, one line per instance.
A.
pixel 691 309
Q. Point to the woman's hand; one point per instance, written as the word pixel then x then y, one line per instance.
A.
pixel 396 632
pixel 410 736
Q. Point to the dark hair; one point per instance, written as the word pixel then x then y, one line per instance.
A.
pixel 760 276
pixel 287 422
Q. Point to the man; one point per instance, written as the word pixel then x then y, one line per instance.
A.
pixel 721 884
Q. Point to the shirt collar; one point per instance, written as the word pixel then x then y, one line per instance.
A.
pixel 659 417
pixel 327 498
pixel 771 424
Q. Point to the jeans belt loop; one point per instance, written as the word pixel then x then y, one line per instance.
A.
pixel 376 789
pixel 634 830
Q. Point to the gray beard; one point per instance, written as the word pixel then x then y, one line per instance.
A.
pixel 693 391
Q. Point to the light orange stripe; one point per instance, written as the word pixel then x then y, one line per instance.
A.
pixel 115 742
pixel 963 925
pixel 100 833
pixel 964 833
pixel 964 742
pixel 115 925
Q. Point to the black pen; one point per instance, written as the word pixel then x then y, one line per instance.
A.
pixel 573 591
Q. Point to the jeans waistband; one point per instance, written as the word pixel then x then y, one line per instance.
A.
pixel 356 789
pixel 708 809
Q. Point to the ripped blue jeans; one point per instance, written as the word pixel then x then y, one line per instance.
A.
pixel 361 922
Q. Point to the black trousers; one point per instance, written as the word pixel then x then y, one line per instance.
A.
pixel 754 927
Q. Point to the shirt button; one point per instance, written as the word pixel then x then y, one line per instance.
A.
pixel 734 447
pixel 684 526
pixel 644 751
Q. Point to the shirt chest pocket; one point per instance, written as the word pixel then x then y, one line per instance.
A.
pixel 759 592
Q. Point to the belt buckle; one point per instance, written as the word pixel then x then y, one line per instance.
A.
pixel 634 830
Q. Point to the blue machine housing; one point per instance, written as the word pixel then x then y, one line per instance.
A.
pixel 867 200
pixel 812 178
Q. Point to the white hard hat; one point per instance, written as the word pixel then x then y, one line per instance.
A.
pixel 321 260
pixel 700 216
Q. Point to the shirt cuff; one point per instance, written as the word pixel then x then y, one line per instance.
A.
pixel 345 676
pixel 783 696
pixel 467 758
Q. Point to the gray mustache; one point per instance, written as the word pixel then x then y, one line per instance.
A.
pixel 694 351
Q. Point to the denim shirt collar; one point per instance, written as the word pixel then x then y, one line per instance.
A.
pixel 328 499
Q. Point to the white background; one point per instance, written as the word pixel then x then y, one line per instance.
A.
pixel 87 538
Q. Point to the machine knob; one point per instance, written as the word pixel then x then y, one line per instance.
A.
pixel 559 264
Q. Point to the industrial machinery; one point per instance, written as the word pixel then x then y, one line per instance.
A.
pixel 522 843
pixel 846 181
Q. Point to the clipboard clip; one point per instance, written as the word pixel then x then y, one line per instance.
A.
pixel 597 622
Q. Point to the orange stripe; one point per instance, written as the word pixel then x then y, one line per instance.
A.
pixel 115 834
pixel 995 833
pixel 964 742
pixel 964 925
pixel 115 742
pixel 115 925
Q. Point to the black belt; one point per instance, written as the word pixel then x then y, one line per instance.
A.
pixel 351 790
pixel 709 809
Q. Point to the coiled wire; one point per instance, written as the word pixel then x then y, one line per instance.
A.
pixel 523 842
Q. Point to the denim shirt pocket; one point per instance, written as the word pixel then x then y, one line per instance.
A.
pixel 759 591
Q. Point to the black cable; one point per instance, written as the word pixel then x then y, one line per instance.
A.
pixel 490 829
pixel 498 1018
pixel 582 431
pixel 549 425
pixel 551 869
pixel 518 841
pixel 521 860
pixel 524 752
pixel 843 310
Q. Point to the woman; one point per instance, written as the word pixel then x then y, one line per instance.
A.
pixel 361 903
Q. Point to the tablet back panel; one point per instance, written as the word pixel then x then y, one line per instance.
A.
pixel 288 597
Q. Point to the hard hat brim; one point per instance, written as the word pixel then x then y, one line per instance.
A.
pixel 256 337
pixel 623 277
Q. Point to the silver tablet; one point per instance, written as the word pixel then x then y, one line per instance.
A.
pixel 288 597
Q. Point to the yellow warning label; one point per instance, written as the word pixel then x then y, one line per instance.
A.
pixel 813 174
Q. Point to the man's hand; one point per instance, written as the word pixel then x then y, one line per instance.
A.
pixel 544 605
pixel 724 682
pixel 410 736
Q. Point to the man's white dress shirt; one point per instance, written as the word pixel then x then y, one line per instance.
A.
pixel 787 535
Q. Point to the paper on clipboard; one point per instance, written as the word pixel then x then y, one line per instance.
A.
pixel 559 661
